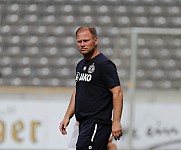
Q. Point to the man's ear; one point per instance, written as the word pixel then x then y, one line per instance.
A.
pixel 96 40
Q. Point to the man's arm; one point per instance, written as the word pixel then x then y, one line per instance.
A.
pixel 68 115
pixel 117 112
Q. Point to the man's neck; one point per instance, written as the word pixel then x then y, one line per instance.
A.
pixel 92 54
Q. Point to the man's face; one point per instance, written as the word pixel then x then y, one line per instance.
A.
pixel 86 42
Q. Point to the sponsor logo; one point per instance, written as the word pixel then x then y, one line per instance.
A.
pixel 83 77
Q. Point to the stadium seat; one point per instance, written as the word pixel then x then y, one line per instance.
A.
pixel 38 45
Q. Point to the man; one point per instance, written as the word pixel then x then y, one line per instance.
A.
pixel 97 100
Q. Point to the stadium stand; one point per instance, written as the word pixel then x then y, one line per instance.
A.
pixel 38 47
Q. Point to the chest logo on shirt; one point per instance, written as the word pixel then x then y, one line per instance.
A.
pixel 91 68
pixel 84 68
pixel 83 77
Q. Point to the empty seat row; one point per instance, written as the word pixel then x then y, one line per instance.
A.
pixel 104 20
pixel 144 84
pixel 118 7
pixel 38 82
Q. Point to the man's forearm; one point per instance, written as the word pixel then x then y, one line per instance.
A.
pixel 70 110
pixel 117 105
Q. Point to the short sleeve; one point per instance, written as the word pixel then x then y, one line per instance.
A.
pixel 109 74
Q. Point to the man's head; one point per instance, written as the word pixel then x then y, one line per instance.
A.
pixel 87 40
pixel 92 30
